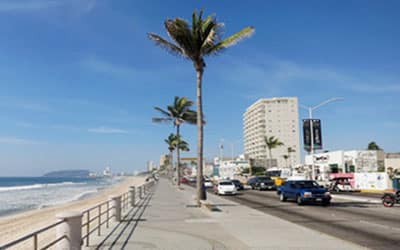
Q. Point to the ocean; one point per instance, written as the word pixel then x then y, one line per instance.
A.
pixel 19 194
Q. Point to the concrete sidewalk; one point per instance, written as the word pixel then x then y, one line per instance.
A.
pixel 168 219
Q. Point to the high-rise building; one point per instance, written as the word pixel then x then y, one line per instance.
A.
pixel 278 117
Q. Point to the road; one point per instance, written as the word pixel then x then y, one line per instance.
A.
pixel 369 225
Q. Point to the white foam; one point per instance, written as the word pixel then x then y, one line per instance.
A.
pixel 36 186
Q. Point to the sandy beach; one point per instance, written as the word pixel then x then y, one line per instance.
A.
pixel 15 226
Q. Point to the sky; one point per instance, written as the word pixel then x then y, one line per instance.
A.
pixel 79 78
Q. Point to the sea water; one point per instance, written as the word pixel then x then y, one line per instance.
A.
pixel 19 194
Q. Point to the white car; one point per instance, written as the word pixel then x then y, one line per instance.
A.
pixel 225 187
pixel 208 184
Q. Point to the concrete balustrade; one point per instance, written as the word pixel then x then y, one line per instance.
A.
pixel 115 202
pixel 132 192
pixel 140 192
pixel 71 229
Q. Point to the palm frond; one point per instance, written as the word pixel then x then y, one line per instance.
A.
pixel 165 113
pixel 168 46
pixel 161 120
pixel 230 41
pixel 179 31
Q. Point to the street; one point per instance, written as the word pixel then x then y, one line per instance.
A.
pixel 366 224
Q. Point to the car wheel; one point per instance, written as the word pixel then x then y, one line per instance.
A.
pixel 326 203
pixel 388 201
pixel 282 197
pixel 299 200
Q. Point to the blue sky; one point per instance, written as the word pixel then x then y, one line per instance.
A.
pixel 79 78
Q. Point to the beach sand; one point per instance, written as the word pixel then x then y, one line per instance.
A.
pixel 15 226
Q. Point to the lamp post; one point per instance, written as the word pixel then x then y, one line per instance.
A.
pixel 310 115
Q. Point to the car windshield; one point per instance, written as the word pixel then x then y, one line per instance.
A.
pixel 274 173
pixel 235 181
pixel 306 184
pixel 264 178
pixel 226 183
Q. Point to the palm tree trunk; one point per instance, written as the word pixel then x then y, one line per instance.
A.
pixel 178 159
pixel 201 193
pixel 270 157
pixel 171 165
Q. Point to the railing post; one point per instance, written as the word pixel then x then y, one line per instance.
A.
pixel 116 207
pixel 71 229
pixel 140 192
pixel 132 193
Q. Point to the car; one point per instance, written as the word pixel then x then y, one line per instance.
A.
pixel 192 179
pixel 225 187
pixel 184 180
pixel 262 183
pixel 304 191
pixel 208 183
pixel 238 184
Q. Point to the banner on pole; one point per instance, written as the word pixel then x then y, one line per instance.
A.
pixel 317 134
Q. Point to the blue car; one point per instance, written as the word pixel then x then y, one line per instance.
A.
pixel 303 192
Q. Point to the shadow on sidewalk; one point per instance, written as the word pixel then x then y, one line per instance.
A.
pixel 122 233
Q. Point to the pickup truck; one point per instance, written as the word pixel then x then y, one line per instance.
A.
pixel 303 191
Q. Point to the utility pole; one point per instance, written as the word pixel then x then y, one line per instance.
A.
pixel 310 115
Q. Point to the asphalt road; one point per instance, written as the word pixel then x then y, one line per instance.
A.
pixel 369 225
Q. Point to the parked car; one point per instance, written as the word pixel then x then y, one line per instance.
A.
pixel 208 183
pixel 192 179
pixel 184 180
pixel 304 191
pixel 238 184
pixel 262 183
pixel 341 184
pixel 389 199
pixel 225 187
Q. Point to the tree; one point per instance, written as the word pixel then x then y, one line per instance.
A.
pixel 373 146
pixel 290 150
pixel 177 113
pixel 195 42
pixel 171 142
pixel 270 143
pixel 286 157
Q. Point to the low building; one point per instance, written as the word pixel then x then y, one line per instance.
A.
pixel 229 168
pixel 353 161
pixel 392 164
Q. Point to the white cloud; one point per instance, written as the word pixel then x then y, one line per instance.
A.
pixel 107 130
pixel 277 76
pixel 101 66
pixel 17 141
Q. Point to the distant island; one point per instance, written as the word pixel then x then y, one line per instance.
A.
pixel 69 173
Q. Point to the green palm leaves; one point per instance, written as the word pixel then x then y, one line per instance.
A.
pixel 202 38
pixel 271 143
pixel 177 113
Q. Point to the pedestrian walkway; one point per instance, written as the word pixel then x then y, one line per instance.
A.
pixel 167 218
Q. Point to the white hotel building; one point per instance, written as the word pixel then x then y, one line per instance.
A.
pixel 278 117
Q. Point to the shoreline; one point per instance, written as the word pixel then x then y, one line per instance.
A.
pixel 17 225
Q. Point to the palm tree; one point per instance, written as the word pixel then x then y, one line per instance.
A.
pixel 171 142
pixel 290 150
pixel 286 157
pixel 177 113
pixel 194 42
pixel 181 145
pixel 270 143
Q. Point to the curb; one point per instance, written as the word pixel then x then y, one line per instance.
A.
pixel 352 198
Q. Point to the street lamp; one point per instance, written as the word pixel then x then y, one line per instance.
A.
pixel 310 111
